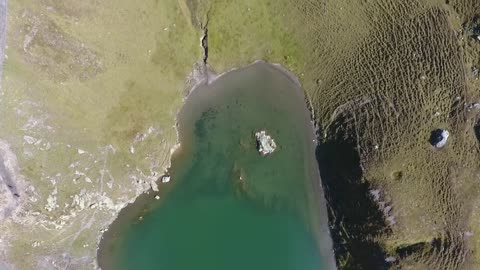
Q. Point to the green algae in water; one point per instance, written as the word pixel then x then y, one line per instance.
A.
pixel 230 207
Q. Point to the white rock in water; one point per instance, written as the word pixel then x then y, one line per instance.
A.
pixel 265 143
pixel 157 197
pixel 165 178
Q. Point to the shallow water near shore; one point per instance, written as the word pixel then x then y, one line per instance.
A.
pixel 227 206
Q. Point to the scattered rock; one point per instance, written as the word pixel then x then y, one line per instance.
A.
pixel 391 220
pixel 472 28
pixel 51 203
pixel 390 259
pixel 439 137
pixel 29 139
pixel 473 106
pixel 154 186
pixel 475 72
pixel 265 143
pixel 157 197
pixel 166 178
pixel 383 206
pixel 375 194
pixel 11 183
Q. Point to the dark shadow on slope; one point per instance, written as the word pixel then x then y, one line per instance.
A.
pixel 472 27
pixel 476 130
pixel 446 247
pixel 354 218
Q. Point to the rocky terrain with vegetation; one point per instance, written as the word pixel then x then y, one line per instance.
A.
pixel 90 91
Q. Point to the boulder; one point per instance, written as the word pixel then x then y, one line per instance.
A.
pixel 265 143
pixel 439 138
pixel 166 178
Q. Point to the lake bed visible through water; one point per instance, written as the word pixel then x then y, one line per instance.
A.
pixel 227 207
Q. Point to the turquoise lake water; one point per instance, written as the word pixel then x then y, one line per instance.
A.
pixel 227 207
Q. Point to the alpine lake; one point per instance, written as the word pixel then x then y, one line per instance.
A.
pixel 227 206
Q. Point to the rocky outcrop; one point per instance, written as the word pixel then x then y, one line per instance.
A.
pixel 265 143
pixel 166 179
pixel 10 184
pixel 439 138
